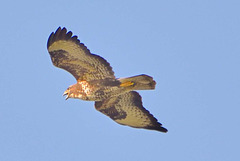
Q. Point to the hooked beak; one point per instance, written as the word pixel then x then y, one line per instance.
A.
pixel 66 93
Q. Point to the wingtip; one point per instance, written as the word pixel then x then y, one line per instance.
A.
pixel 54 35
pixel 50 39
pixel 162 129
pixel 59 28
pixel 62 34
pixel 158 128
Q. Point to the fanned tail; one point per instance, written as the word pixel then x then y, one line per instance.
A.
pixel 139 82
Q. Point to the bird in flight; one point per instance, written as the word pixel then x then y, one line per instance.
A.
pixel 115 97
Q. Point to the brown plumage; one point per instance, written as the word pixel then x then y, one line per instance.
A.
pixel 113 97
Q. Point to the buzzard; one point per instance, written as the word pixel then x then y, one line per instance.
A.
pixel 114 97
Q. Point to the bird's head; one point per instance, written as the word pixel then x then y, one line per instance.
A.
pixel 75 91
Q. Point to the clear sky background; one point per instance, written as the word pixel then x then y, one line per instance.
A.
pixel 191 48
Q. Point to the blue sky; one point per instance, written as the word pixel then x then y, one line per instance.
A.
pixel 191 48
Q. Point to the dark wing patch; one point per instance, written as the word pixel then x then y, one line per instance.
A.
pixel 110 108
pixel 127 109
pixel 68 53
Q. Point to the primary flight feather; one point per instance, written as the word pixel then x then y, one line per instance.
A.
pixel 113 97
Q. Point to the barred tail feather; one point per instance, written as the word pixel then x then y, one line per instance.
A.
pixel 139 82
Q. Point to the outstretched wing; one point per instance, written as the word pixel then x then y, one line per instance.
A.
pixel 68 53
pixel 127 109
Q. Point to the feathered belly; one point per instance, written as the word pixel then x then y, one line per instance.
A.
pixel 104 93
pixel 99 90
